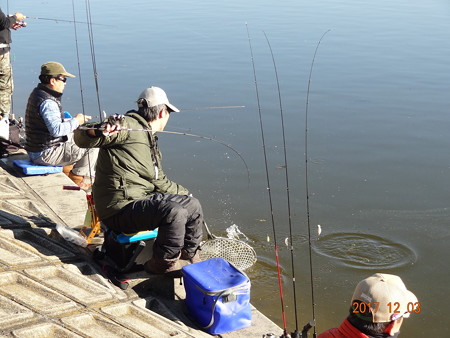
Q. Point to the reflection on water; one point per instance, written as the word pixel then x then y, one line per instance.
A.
pixel 365 251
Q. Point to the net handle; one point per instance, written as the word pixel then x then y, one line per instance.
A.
pixel 210 235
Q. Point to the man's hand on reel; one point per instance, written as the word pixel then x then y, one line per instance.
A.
pixel 112 125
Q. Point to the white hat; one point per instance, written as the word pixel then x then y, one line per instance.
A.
pixel 388 297
pixel 155 96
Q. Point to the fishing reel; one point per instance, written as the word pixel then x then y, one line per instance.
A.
pixel 115 119
pixel 295 334
pixel 18 24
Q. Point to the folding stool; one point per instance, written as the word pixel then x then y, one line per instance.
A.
pixel 122 253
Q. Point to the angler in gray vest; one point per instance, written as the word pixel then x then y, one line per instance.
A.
pixel 6 78
pixel 49 138
pixel 131 191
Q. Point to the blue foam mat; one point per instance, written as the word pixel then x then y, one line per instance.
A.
pixel 30 168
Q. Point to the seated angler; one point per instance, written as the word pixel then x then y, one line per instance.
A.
pixel 131 191
pixel 49 139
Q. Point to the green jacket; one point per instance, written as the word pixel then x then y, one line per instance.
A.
pixel 128 166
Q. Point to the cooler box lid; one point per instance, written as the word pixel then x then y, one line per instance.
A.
pixel 214 274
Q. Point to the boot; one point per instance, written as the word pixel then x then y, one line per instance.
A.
pixel 166 266
pixel 191 257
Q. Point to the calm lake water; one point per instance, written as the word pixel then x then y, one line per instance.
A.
pixel 378 129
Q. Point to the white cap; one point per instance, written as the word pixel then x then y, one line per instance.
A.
pixel 155 96
pixel 389 292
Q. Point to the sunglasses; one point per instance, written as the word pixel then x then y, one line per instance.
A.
pixel 63 79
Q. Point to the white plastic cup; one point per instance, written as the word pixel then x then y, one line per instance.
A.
pixel 71 235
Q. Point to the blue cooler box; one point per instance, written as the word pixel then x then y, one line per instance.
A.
pixel 217 295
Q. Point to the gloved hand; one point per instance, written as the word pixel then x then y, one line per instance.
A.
pixel 112 125
pixel 115 119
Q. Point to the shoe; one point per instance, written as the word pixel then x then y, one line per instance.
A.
pixel 163 266
pixel 81 181
pixel 190 257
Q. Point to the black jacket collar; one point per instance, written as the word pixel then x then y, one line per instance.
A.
pixel 50 91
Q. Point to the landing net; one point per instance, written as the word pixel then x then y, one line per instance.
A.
pixel 237 252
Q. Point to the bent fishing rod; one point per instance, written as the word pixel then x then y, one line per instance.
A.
pixel 183 134
pixel 307 185
pixel 101 113
pixel 277 260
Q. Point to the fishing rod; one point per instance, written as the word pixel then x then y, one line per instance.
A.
pixel 192 108
pixel 68 21
pixel 80 79
pixel 277 260
pixel 91 40
pixel 307 184
pixel 78 58
pixel 180 133
pixel 296 333
pixel 91 43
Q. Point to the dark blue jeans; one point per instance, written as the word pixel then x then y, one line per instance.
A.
pixel 179 219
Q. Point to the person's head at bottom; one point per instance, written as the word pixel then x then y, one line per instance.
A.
pixel 379 305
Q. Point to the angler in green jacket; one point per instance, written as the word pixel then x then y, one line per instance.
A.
pixel 131 191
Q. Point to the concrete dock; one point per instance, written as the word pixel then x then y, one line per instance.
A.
pixel 52 288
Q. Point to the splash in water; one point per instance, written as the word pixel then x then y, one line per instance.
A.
pixel 233 232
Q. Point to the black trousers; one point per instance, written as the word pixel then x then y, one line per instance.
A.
pixel 179 219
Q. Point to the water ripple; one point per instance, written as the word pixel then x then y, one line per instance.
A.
pixel 365 251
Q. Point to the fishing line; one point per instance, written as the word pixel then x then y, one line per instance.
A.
pixel 207 108
pixel 184 134
pixel 91 43
pixel 307 183
pixel 294 334
pixel 280 284
pixel 196 108
pixel 92 47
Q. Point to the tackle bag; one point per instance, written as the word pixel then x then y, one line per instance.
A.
pixel 217 295
pixel 9 137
